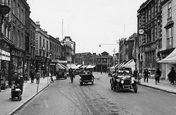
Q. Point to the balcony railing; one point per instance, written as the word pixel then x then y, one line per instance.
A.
pixel 5 2
pixel 4 7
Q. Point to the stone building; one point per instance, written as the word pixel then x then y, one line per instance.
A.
pixel 15 29
pixel 167 54
pixel 149 33
pixel 42 51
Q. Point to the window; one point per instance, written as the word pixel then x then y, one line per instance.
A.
pixel 169 11
pixel 40 41
pixel 169 38
pixel 149 14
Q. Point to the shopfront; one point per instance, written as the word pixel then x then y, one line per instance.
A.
pixel 17 62
pixel 4 63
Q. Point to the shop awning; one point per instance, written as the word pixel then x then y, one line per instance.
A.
pixel 90 66
pixel 171 58
pixel 60 66
pixel 130 64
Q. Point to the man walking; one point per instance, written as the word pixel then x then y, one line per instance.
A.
pixel 146 74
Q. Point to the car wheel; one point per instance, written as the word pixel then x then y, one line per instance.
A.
pixel 81 83
pixel 135 86
pixel 111 87
pixel 117 87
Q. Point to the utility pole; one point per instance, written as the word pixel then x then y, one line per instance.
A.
pixel 62 27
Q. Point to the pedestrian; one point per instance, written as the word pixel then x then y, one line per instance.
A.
pixel 135 74
pixel 172 75
pixel 19 81
pixel 71 74
pixel 32 76
pixel 146 75
pixel 38 75
pixel 157 76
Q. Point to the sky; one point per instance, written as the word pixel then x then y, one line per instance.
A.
pixel 90 23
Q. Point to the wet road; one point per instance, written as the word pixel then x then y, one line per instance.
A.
pixel 65 98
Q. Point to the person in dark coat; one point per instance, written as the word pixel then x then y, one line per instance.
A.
pixel 146 75
pixel 157 76
pixel 172 75
pixel 71 74
pixel 19 81
pixel 32 75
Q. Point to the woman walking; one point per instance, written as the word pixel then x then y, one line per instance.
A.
pixel 172 75
pixel 157 76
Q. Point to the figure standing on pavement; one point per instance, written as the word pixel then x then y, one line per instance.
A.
pixel 157 76
pixel 19 81
pixel 32 76
pixel 71 74
pixel 38 75
pixel 172 75
pixel 146 75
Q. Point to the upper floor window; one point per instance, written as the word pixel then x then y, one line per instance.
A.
pixel 169 38
pixel 149 14
pixel 159 6
pixel 40 42
pixel 169 11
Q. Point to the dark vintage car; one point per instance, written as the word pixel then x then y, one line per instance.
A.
pixel 60 74
pixel 85 78
pixel 124 79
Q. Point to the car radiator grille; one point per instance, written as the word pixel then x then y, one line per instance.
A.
pixel 127 82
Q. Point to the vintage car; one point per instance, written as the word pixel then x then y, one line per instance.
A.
pixel 124 79
pixel 85 78
pixel 60 74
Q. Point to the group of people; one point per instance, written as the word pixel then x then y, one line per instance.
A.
pixel 171 75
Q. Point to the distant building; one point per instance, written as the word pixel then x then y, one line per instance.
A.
pixel 103 61
pixel 126 49
pixel 85 58
pixel 69 47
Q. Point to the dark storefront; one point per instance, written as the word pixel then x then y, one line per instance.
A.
pixel 5 48
pixel 17 62
pixel 43 65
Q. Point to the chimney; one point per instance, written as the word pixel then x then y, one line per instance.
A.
pixel 38 24
pixel 57 38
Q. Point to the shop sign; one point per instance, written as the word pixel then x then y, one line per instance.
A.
pixel 4 55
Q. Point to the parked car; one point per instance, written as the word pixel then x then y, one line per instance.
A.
pixel 123 79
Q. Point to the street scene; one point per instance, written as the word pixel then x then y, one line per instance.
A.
pixel 87 57
pixel 65 98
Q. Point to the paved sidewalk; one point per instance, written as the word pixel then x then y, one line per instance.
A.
pixel 164 85
pixel 7 107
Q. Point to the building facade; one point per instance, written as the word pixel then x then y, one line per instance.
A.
pixel 126 49
pixel 42 51
pixel 69 47
pixel 85 58
pixel 5 44
pixel 104 61
pixel 15 29
pixel 31 45
pixel 55 52
pixel 168 34
pixel 149 33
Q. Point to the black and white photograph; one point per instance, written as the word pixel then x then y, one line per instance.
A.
pixel 87 57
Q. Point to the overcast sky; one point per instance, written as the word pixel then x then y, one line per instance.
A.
pixel 88 22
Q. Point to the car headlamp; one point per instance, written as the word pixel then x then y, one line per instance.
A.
pixel 122 81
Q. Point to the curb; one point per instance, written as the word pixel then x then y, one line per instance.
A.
pixel 30 98
pixel 165 90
